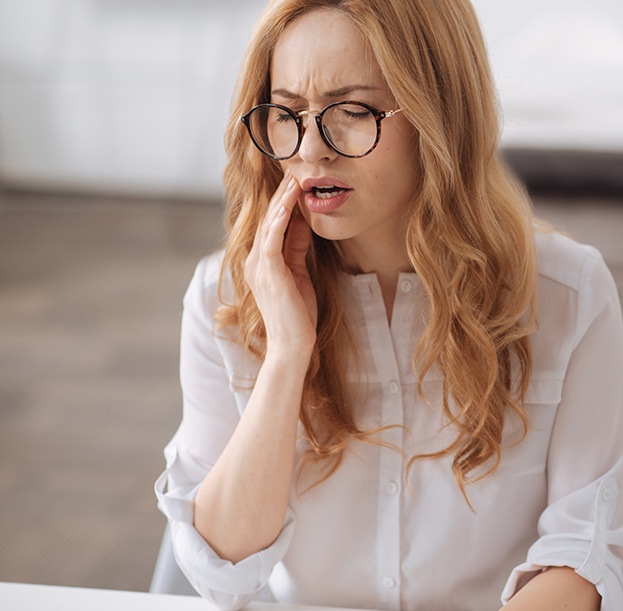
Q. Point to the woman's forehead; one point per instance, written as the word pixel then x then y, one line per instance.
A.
pixel 322 51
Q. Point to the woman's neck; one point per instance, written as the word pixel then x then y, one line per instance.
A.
pixel 386 261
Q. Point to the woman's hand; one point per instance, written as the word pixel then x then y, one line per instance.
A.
pixel 277 273
pixel 242 503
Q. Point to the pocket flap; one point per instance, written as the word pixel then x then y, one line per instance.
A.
pixel 548 392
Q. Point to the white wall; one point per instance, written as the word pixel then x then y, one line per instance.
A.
pixel 122 95
pixel 133 95
pixel 558 65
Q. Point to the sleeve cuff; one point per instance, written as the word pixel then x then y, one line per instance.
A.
pixel 210 574
pixel 587 551
pixel 225 584
pixel 176 496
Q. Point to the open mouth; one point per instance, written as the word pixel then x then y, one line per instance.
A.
pixel 324 195
pixel 327 192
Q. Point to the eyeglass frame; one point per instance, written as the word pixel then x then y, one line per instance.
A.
pixel 378 115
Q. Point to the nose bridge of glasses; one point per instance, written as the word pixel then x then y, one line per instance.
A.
pixel 308 113
pixel 301 114
pixel 318 115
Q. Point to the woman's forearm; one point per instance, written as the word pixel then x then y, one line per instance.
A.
pixel 241 504
pixel 556 589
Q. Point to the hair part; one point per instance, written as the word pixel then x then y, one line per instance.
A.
pixel 470 232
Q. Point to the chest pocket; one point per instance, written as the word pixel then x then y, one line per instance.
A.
pixel 529 456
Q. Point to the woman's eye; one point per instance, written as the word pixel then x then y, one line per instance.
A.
pixel 356 115
pixel 283 117
pixel 354 112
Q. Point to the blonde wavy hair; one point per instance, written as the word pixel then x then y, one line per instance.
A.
pixel 470 234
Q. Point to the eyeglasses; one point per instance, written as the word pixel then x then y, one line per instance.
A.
pixel 352 129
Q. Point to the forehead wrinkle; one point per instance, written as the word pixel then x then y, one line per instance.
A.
pixel 334 93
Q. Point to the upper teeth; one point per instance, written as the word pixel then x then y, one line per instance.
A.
pixel 327 192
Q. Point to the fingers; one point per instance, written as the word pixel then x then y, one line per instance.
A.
pixel 278 216
pixel 286 195
pixel 297 241
pixel 270 233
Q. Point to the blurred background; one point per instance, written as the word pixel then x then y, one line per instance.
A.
pixel 111 124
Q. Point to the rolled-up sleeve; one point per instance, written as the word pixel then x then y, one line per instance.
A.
pixel 210 416
pixel 582 525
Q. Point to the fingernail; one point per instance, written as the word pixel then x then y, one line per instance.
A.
pixel 291 184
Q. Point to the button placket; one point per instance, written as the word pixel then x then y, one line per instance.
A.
pixel 390 503
pixel 390 461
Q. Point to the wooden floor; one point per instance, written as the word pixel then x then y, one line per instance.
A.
pixel 90 303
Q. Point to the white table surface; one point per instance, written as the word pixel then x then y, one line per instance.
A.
pixel 29 597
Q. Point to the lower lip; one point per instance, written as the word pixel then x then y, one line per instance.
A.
pixel 328 205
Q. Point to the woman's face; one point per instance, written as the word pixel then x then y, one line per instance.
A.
pixel 321 58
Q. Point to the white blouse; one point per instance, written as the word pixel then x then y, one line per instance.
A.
pixel 371 537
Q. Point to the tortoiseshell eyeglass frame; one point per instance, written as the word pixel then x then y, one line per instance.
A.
pixel 378 115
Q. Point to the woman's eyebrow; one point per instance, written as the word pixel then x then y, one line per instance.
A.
pixel 344 91
pixel 334 93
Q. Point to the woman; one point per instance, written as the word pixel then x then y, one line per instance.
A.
pixel 399 393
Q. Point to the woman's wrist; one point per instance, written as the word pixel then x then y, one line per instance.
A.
pixel 289 356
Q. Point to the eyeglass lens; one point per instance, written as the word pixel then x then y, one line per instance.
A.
pixel 350 128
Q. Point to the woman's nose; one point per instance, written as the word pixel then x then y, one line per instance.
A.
pixel 313 148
